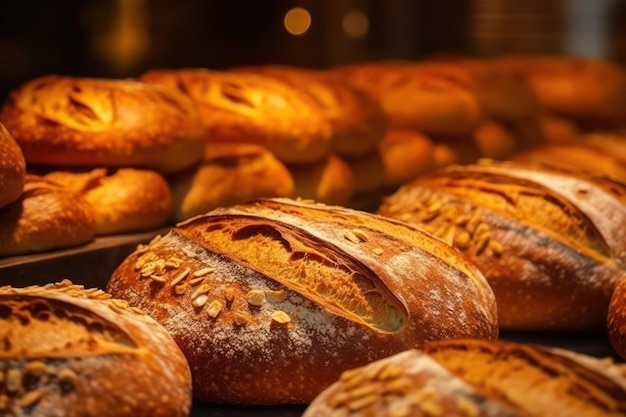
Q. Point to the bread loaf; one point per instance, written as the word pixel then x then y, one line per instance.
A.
pixel 549 242
pixel 127 200
pixel 478 378
pixel 616 319
pixel 358 122
pixel 328 181
pixel 418 99
pixel 46 216
pixel 66 121
pixel 285 294
pixel 230 173
pixel 70 351
pixel 12 168
pixel 252 108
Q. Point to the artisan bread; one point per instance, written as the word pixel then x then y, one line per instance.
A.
pixel 127 200
pixel 286 294
pixel 328 181
pixel 418 99
pixel 70 351
pixel 358 122
pixel 550 242
pixel 616 319
pixel 46 216
pixel 405 154
pixel 12 168
pixel 230 173
pixel 67 121
pixel 478 378
pixel 590 91
pixel 252 108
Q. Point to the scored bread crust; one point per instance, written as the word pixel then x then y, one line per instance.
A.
pixel 70 351
pixel 285 294
pixel 12 168
pixel 550 242
pixel 124 201
pixel 46 216
pixel 89 122
pixel 478 378
pixel 252 108
pixel 357 120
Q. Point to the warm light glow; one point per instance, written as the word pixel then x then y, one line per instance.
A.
pixel 297 21
pixel 355 24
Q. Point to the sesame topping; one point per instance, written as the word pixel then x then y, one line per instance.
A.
pixel 200 300
pixel 202 289
pixel 378 251
pixel 281 317
pixel 14 380
pixel 67 375
pixel 144 259
pixel 158 278
pixel 349 234
pixel 196 281
pixel 173 262
pixel 203 271
pixel 241 318
pixel 31 398
pixel 178 278
pixel 255 297
pixel 180 289
pixel 37 368
pixel 155 240
pixel 277 295
pixel 361 234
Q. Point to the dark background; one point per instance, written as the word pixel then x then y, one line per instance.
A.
pixel 123 38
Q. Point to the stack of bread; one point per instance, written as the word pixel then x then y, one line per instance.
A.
pixel 96 151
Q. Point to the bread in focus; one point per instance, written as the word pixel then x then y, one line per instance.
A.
pixel 73 351
pixel 46 216
pixel 12 168
pixel 252 108
pixel 88 122
pixel 549 241
pixel 478 378
pixel 286 294
pixel 124 201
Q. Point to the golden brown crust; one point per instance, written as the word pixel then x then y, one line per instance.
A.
pixel 477 378
pixel 329 181
pixel 405 154
pixel 495 140
pixel 252 108
pixel 548 241
pixel 72 351
pixel 12 168
pixel 230 173
pixel 46 216
pixel 357 120
pixel 275 288
pixel 65 121
pixel 127 200
pixel 588 90
pixel 418 98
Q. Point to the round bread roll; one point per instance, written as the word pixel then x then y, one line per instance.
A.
pixel 478 378
pixel 252 108
pixel 495 140
pixel 419 99
pixel 285 294
pixel 589 90
pixel 127 200
pixel 46 216
pixel 405 154
pixel 455 150
pixel 329 181
pixel 88 122
pixel 12 168
pixel 230 173
pixel 558 129
pixel 70 351
pixel 616 323
pixel 549 242
pixel 358 122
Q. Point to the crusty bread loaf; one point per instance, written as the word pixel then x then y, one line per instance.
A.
pixel 66 121
pixel 549 242
pixel 46 216
pixel 418 99
pixel 70 351
pixel 329 181
pixel 285 294
pixel 590 91
pixel 252 108
pixel 230 173
pixel 616 319
pixel 478 378
pixel 12 168
pixel 358 122
pixel 405 154
pixel 124 201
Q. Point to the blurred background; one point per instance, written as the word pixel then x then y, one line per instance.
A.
pixel 123 38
